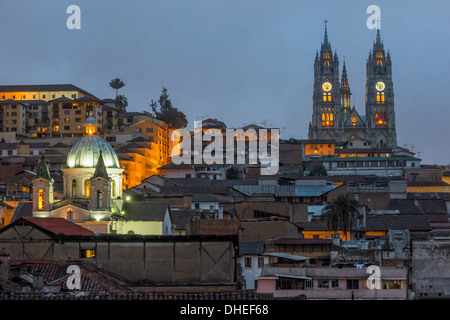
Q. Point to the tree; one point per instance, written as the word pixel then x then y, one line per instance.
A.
pixel 232 173
pixel 318 170
pixel 116 84
pixel 168 113
pixel 340 213
pixel 121 102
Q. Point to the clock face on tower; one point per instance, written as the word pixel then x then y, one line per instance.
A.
pixel 326 86
pixel 380 86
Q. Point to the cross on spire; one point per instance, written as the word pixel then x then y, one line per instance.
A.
pixel 325 38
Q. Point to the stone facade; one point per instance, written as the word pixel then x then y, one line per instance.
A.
pixel 334 117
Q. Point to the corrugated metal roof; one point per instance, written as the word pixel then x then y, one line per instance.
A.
pixel 287 256
pixel 286 191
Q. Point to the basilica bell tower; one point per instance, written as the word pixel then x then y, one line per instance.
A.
pixel 327 109
pixel 380 113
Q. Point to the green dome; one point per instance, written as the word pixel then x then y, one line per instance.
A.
pixel 85 153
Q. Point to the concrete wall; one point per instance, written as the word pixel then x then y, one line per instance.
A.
pixel 430 268
pixel 158 260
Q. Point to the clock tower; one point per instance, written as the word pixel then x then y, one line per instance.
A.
pixel 380 114
pixel 327 114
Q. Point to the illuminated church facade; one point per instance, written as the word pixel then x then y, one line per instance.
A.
pixel 92 184
pixel 334 118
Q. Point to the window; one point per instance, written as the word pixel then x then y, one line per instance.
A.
pixel 352 284
pixel 99 199
pixel 41 200
pixel 260 262
pixel 327 119
pixel 393 284
pixel 87 188
pixel 334 283
pixel 113 187
pixel 309 284
pixel 248 262
pixel 87 253
pixel 323 283
pixel 74 188
pixel 69 214
pixel 290 284
pixel 414 177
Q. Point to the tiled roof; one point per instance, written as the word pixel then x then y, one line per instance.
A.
pixel 418 206
pixel 23 209
pixel 251 247
pixel 413 222
pixel 145 210
pixel 59 226
pixel 181 218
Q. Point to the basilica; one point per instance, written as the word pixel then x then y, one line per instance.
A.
pixel 334 117
pixel 92 184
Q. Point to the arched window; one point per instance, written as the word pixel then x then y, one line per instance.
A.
pixel 74 188
pixel 87 188
pixel 114 187
pixel 41 200
pixel 99 199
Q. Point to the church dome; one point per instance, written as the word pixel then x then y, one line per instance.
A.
pixel 86 151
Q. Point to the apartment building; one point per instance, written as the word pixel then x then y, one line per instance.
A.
pixel 40 111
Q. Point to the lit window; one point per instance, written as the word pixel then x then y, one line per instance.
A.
pixel 87 188
pixel 41 200
pixel 87 253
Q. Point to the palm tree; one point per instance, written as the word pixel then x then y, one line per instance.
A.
pixel 116 84
pixel 340 213
pixel 121 102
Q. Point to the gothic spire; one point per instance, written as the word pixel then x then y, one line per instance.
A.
pixel 326 46
pixel 378 44
pixel 344 81
pixel 325 37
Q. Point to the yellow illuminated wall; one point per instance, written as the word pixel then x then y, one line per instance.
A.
pixel 319 149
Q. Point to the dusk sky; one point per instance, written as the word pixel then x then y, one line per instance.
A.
pixel 240 61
